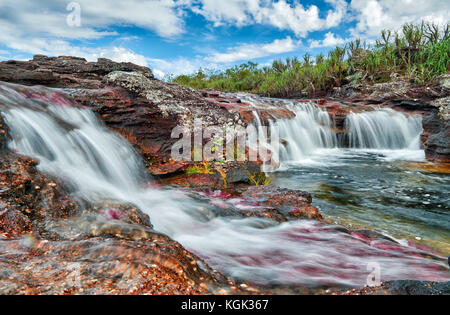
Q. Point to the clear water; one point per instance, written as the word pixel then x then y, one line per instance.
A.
pixel 373 189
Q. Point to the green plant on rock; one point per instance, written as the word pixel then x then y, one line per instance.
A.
pixel 202 168
pixel 259 179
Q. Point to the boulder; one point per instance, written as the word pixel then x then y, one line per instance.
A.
pixel 293 203
pixel 436 138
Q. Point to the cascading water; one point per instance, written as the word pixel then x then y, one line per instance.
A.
pixel 303 135
pixel 72 145
pixel 311 130
pixel 384 129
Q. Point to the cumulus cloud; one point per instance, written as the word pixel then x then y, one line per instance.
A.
pixel 375 15
pixel 280 14
pixel 162 68
pixel 48 17
pixel 254 51
pixel 330 40
pixel 40 27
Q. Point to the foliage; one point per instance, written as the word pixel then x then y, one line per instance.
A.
pixel 259 179
pixel 202 168
pixel 418 52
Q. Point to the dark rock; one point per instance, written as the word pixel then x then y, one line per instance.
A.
pixel 63 71
pixel 410 287
pixel 436 138
pixel 293 203
pixel 400 287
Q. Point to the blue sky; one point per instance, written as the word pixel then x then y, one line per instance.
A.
pixel 179 36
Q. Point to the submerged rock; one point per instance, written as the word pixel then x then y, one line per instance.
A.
pixel 293 203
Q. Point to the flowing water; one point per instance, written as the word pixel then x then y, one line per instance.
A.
pixel 366 183
pixel 73 145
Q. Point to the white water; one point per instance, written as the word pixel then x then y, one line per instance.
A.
pixel 310 134
pixel 99 164
pixel 384 129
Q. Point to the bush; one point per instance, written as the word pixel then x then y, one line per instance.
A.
pixel 419 52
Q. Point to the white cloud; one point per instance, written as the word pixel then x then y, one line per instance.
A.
pixel 254 51
pixel 178 66
pixel 280 14
pixel 40 27
pixel 49 17
pixel 330 40
pixel 375 15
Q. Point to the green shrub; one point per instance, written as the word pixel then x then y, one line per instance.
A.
pixel 419 52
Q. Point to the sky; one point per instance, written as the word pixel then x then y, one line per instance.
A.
pixel 180 36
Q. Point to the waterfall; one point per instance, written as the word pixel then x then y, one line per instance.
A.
pixel 384 129
pixel 71 144
pixel 311 130
pixel 303 135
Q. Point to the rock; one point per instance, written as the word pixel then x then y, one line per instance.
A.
pixel 395 90
pixel 409 287
pixel 126 213
pixel 436 138
pixel 35 196
pixel 13 223
pixel 102 266
pixel 63 72
pixel 294 203
pixel 443 105
pixel 4 138
pixel 444 81
pixel 400 287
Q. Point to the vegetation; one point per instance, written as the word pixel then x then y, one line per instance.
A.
pixel 259 179
pixel 202 168
pixel 418 52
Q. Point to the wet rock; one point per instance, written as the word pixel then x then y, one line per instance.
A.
pixel 35 196
pixel 296 204
pixel 418 288
pixel 436 138
pixel 126 213
pixel 238 172
pixel 402 287
pixel 106 266
pixel 13 223
pixel 4 138
pixel 266 213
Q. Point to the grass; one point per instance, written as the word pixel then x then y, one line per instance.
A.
pixel 202 168
pixel 259 179
pixel 418 52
